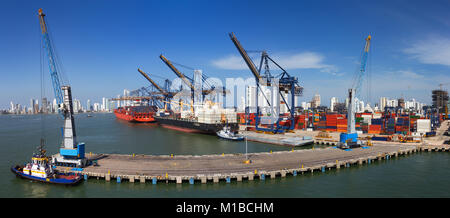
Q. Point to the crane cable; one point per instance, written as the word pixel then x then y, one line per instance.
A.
pixel 41 67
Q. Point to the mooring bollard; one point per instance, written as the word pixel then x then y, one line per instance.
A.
pixel 262 177
pixel 154 181
pixel 85 176
pixel 228 179
pixel 191 181
pixel 368 161
pixel 323 169
pixel 119 180
pixel 294 173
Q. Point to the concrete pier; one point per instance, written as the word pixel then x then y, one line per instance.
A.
pixel 228 167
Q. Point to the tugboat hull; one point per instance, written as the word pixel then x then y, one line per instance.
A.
pixel 60 178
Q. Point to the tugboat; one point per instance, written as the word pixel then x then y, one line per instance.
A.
pixel 41 170
pixel 226 133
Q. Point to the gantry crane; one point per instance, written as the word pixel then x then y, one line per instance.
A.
pixel 165 92
pixel 287 84
pixel 71 153
pixel 188 81
pixel 350 138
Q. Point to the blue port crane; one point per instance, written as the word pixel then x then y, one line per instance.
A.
pixel 287 84
pixel 71 153
pixel 350 138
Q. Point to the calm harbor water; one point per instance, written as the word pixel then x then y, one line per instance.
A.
pixel 418 175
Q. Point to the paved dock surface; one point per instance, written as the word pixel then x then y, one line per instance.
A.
pixel 213 168
pixel 185 167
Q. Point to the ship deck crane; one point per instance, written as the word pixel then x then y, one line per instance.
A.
pixel 71 153
pixel 350 138
pixel 286 82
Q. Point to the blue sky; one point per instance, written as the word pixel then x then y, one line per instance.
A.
pixel 102 43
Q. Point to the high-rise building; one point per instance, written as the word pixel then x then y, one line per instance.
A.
pixel 401 102
pixel 103 107
pixel 88 105
pixel 316 101
pixel 107 105
pixel 383 103
pixel 251 98
pixel 55 106
pixel 44 105
pixel 13 108
pixel 304 106
pixel 96 107
pixel 440 99
pixel 126 93
pixel 333 101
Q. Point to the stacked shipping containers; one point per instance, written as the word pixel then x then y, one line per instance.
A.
pixel 376 126
pixel 376 123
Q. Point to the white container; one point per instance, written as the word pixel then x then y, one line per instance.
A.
pixel 423 125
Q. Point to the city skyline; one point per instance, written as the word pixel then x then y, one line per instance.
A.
pixel 108 105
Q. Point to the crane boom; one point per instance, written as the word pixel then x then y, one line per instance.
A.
pixel 362 68
pixel 176 71
pixel 244 55
pixel 152 82
pixel 51 61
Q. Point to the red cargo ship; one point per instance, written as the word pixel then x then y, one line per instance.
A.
pixel 140 114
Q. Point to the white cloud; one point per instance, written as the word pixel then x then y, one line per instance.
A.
pixel 433 50
pixel 409 74
pixel 230 62
pixel 304 60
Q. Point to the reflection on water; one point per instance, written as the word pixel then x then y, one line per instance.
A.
pixel 35 189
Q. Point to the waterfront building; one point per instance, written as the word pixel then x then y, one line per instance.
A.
pixel 333 101
pixel 88 105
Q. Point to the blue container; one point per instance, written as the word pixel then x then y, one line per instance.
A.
pixel 191 181
pixel 379 138
pixel 377 122
pixel 154 181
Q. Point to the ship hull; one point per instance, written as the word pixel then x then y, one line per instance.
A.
pixel 135 116
pixel 130 118
pixel 190 126
pixel 60 178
